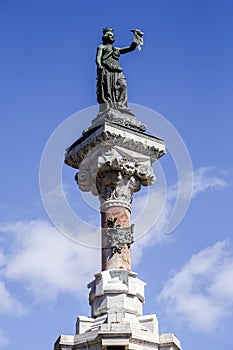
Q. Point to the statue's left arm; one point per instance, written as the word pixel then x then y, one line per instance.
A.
pixel 127 49
pixel 137 40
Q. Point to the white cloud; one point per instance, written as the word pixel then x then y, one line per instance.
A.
pixel 46 262
pixel 204 179
pixel 201 293
pixel 4 341
pixel 151 226
pixel 8 303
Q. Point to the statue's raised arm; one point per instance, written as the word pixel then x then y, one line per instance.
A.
pixel 111 82
pixel 137 40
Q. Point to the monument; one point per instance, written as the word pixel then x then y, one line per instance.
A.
pixel 114 158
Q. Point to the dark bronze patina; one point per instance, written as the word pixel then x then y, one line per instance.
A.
pixel 111 82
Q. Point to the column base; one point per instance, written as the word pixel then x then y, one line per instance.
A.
pixel 116 297
pixel 120 336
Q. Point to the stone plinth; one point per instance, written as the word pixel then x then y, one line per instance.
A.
pixel 116 297
pixel 110 134
pixel 125 335
pixel 117 117
pixel 117 293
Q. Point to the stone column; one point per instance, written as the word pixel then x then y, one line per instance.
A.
pixel 116 184
pixel 113 163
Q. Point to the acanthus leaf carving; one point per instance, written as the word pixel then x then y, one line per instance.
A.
pixel 114 174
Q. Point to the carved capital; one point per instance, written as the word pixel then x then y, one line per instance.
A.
pixel 117 183
pixel 114 174
pixel 113 162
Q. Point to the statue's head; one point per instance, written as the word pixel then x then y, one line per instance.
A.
pixel 108 36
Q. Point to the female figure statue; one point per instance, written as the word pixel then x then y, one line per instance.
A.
pixel 111 82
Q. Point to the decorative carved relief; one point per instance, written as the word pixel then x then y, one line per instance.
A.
pixel 117 185
pixel 116 237
pixel 76 155
pixel 114 173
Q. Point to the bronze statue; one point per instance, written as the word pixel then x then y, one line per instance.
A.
pixel 111 82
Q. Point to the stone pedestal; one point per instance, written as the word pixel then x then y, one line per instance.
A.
pixel 116 297
pixel 114 116
pixel 118 294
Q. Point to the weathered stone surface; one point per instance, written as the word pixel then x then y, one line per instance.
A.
pixel 117 237
pixel 121 216
pixel 116 258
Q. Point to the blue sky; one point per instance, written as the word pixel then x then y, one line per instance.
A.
pixel 184 72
